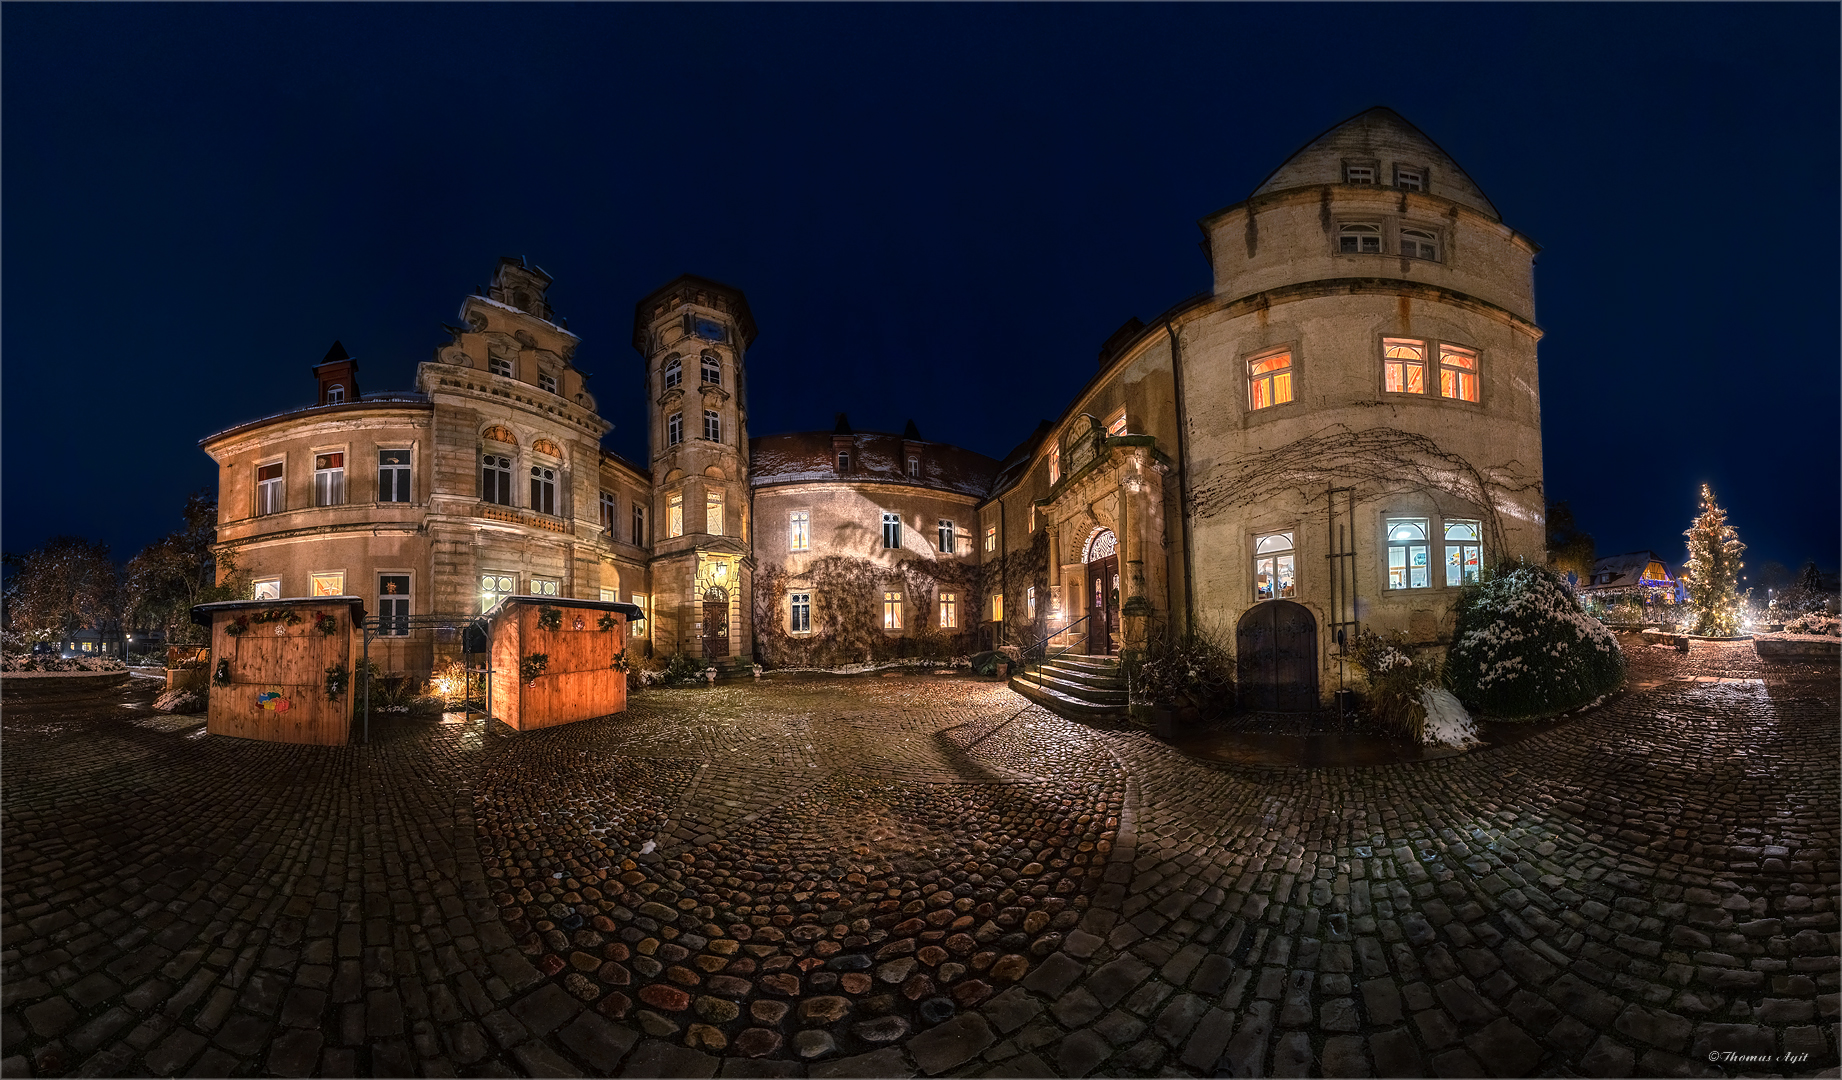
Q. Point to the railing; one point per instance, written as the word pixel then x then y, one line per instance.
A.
pixel 428 631
pixel 1043 644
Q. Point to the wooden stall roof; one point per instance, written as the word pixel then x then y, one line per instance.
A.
pixel 633 612
pixel 202 613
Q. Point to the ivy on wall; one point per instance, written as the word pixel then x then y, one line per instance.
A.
pixel 1013 573
pixel 847 612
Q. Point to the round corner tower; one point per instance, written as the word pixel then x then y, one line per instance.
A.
pixel 694 335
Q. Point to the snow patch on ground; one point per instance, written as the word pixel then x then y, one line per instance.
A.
pixel 1447 722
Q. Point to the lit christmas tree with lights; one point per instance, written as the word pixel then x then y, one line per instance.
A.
pixel 1712 573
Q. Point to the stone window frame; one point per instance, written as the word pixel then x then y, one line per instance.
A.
pixel 639 524
pixel 335 394
pixel 546 586
pixel 257 585
pixel 892 609
pixel 892 530
pixel 948 603
pixel 1029 602
pixel 1430 232
pixel 1433 364
pixel 341 495
pixel 1280 408
pixel 313 577
pixel 409 599
pixel 1425 175
pixel 1117 423
pixel 1429 525
pixel 715 503
pixel 713 426
pixel 279 488
pixel 407 482
pixel 799 529
pixel 1360 227
pixel 710 369
pixel 1255 539
pixel 496 592
pixel 671 372
pixel 946 537
pixel 798 599
pixel 674 429
pixel 1353 167
pixel 610 511
pixel 674 515
pixel 1448 545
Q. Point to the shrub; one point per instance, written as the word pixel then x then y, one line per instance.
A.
pixel 1397 682
pixel 179 701
pixel 1815 622
pixel 1194 669
pixel 1523 646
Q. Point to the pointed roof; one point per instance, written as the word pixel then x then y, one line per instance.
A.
pixel 1382 135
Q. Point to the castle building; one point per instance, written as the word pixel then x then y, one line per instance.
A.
pixel 1337 436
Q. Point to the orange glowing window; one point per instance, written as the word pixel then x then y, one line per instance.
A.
pixel 1457 373
pixel 1269 380
pixel 1404 366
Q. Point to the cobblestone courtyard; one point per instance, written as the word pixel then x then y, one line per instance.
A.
pixel 880 876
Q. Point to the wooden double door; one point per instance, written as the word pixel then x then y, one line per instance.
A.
pixel 1276 657
pixel 1102 605
pixel 716 623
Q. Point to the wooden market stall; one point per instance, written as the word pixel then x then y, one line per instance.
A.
pixel 281 670
pixel 553 659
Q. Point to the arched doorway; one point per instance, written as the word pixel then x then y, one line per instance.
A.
pixel 1102 559
pixel 1276 650
pixel 716 623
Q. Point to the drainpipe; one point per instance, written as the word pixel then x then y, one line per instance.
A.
pixel 1183 478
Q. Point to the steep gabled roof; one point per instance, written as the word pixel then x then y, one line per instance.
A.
pixel 1627 571
pixel 806 456
pixel 1383 135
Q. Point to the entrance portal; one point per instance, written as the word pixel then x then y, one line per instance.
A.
pixel 1276 649
pixel 1102 593
pixel 716 623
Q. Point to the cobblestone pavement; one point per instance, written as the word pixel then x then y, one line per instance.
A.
pixel 905 875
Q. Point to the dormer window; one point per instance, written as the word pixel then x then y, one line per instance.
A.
pixel 1354 239
pixel 914 466
pixel 1419 244
pixel 335 394
pixel 1359 174
pixel 674 371
pixel 499 365
pixel 713 370
pixel 547 381
pixel 844 461
pixel 1410 178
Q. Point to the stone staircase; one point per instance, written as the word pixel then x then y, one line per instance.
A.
pixel 1075 686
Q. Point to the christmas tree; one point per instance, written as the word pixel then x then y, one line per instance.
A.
pixel 1713 570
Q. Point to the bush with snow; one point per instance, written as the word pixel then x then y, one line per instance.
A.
pixel 1398 683
pixel 30 662
pixel 179 701
pixel 1447 722
pixel 1524 647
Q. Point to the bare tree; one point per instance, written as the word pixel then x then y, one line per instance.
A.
pixel 173 574
pixel 68 583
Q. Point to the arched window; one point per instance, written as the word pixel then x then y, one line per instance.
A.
pixel 1419 244
pixel 713 370
pixel 1269 380
pixel 674 371
pixel 1404 366
pixel 496 478
pixel 335 394
pixel 1354 239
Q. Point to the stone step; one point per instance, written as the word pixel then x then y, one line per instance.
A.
pixel 1111 695
pixel 1078 676
pixel 1063 705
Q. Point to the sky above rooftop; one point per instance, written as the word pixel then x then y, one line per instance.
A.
pixel 937 212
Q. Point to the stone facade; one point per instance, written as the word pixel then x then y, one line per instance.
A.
pixel 1335 437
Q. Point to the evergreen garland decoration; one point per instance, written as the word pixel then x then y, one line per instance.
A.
pixel 221 677
pixel 1713 570
pixel 337 677
pixel 549 618
pixel 532 666
pixel 606 622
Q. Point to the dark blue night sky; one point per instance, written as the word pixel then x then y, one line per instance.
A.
pixel 937 212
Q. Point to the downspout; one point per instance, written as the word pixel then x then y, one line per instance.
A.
pixel 1004 537
pixel 1183 479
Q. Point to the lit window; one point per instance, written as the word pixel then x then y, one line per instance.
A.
pixel 545 586
pixel 1359 174
pixel 1409 178
pixel 1407 555
pixel 799 530
pixel 328 479
pixel 949 611
pixel 496 479
pixel 1274 565
pixel 674 371
pixel 892 529
pixel 608 507
pixel 991 538
pixel 268 589
pixel 639 525
pixel 1404 366
pixel 713 370
pixel 946 537
pixel 610 595
pixel 494 586
pixel 892 610
pixel 914 466
pixel 547 381
pixel 1457 373
pixel 1117 425
pixel 393 605
pixel 997 607
pixel 86 646
pixel 1269 380
pixel 844 461
pixel 674 429
pixel 644 603
pixel 1055 463
pixel 1029 602
pixel 335 394
pixel 713 426
pixel 713 513
pixel 393 476
pixel 543 490
pixel 1464 552
pixel 327 584
pixel 269 493
pixel 499 365
pixel 674 515
pixel 801 611
pixel 1359 239
pixel 1419 244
